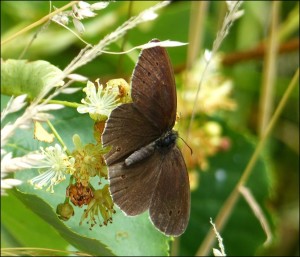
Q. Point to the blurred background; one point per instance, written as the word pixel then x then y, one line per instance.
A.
pixel 254 84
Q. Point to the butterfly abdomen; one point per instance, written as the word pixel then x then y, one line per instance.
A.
pixel 165 142
pixel 140 154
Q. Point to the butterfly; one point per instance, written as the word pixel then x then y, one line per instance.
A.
pixel 146 169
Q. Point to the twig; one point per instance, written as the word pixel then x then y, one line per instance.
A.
pixel 37 23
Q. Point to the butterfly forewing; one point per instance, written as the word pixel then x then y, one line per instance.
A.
pixel 126 131
pixel 153 88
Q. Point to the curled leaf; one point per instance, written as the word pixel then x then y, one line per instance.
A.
pixel 22 77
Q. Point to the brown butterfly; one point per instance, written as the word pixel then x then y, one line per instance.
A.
pixel 146 169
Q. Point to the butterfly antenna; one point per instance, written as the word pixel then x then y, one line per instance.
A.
pixel 186 144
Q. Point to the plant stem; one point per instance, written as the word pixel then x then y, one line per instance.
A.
pixel 57 135
pixel 64 103
pixel 269 72
pixel 228 206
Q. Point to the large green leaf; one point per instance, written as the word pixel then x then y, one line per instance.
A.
pixel 44 210
pixel 23 77
pixel 18 221
pixel 125 236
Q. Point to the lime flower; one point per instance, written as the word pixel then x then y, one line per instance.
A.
pixel 213 131
pixel 207 141
pixel 65 211
pixel 215 93
pixel 89 161
pixel 98 103
pixel 57 164
pixel 194 179
pixel 101 205
pixel 120 88
pixel 80 194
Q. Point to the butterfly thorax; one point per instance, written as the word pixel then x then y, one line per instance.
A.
pixel 162 144
pixel 167 140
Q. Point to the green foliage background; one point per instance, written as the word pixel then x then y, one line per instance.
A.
pixel 27 214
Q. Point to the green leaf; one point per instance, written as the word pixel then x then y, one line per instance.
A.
pixel 45 211
pixel 243 233
pixel 125 236
pixel 23 77
pixel 25 227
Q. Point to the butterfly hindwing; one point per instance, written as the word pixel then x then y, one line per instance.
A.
pixel 170 205
pixel 132 187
